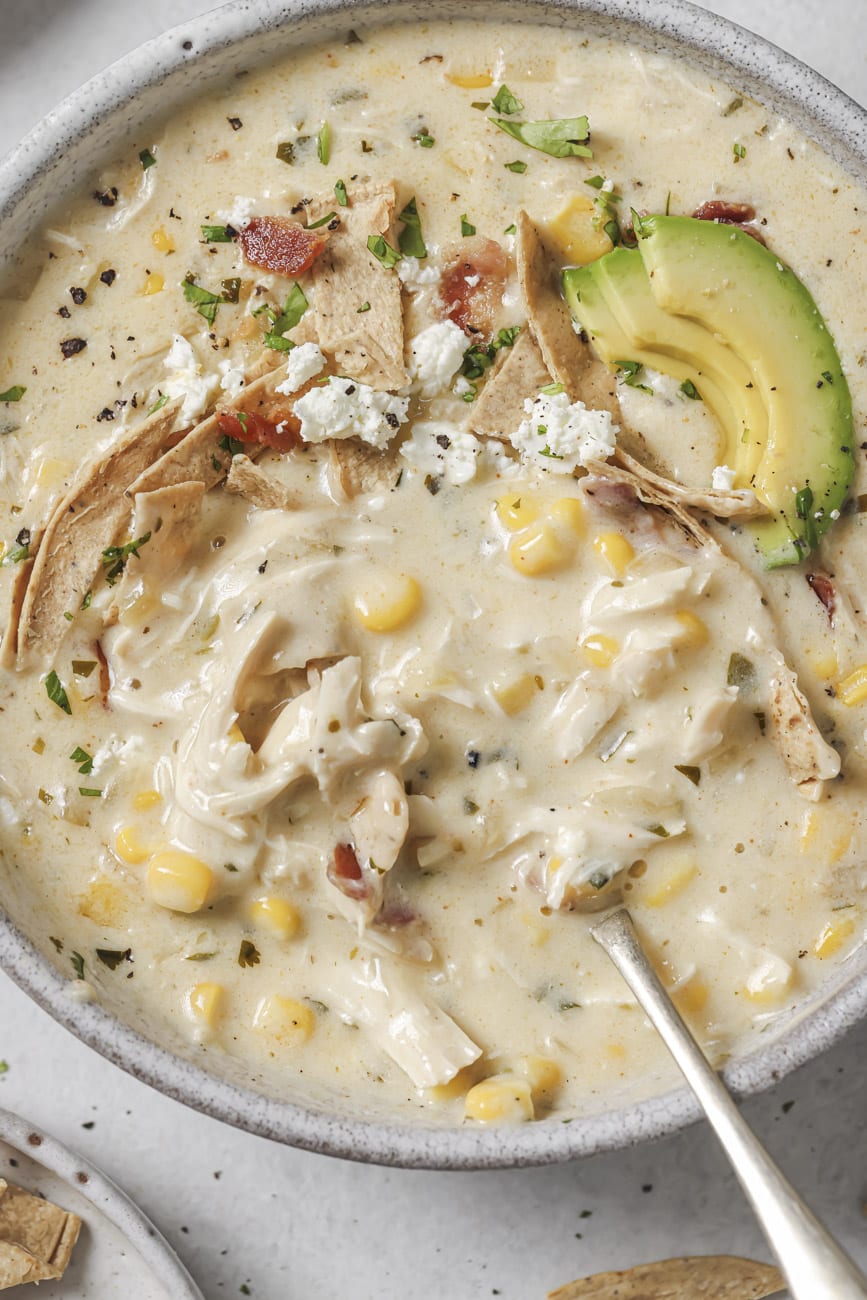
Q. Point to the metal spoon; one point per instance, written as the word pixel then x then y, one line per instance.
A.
pixel 814 1266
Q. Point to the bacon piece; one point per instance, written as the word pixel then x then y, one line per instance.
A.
pixel 278 244
pixel 730 214
pixel 283 433
pixel 472 286
pixel 344 872
pixel 823 587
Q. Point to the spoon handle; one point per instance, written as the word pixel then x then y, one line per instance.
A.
pixel 815 1267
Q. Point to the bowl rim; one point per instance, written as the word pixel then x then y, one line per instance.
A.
pixel 840 126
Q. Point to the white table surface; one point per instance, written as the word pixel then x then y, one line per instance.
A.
pixel 291 1226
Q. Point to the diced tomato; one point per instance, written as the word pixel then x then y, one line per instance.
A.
pixel 344 872
pixel 472 287
pixel 278 244
pixel 282 433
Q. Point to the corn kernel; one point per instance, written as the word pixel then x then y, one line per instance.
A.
pixel 162 242
pixel 568 513
pixel 470 81
pixel 153 284
pixel 691 997
pixel 501 1099
pixel 615 550
pixel 665 882
pixel 276 915
pixel 514 696
pixel 852 689
pixel 517 511
pixel 833 936
pixel 456 1087
pixel 542 1073
pixel 766 995
pixel 695 633
pixel 576 232
pixel 205 1002
pixel 146 799
pixel 129 847
pixel 52 472
pixel 104 903
pixel 385 604
pixel 823 837
pixel 537 550
pixel 179 881
pixel 600 651
pixel 825 665
pixel 288 1021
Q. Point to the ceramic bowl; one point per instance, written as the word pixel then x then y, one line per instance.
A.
pixel 55 159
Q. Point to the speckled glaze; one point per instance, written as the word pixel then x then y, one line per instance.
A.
pixel 113 1204
pixel 51 161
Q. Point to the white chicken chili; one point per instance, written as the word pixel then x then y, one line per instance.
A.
pixel 431 474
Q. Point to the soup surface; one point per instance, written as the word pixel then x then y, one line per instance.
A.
pixel 368 633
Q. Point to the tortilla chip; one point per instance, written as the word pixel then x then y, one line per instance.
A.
pixel 703 1277
pixel 83 523
pixel 641 485
pixel 368 345
pixel 741 504
pixel 808 758
pixel 23 574
pixel 172 516
pixel 519 373
pixel 360 468
pixel 36 1237
pixel 252 483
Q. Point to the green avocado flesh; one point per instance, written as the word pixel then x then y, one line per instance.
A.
pixel 708 303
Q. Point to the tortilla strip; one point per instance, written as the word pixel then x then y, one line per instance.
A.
pixel 519 373
pixel 702 1277
pixel 172 516
pixel 360 468
pixel 641 483
pixel 368 345
pixel 23 574
pixel 809 759
pixel 252 483
pixel 83 523
pixel 740 504
pixel 36 1237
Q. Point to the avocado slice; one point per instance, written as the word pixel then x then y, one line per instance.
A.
pixel 613 301
pixel 729 283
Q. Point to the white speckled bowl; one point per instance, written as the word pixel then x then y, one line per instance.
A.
pixel 54 159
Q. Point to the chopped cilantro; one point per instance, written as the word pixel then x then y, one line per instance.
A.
pixel 115 557
pixel 112 957
pixel 411 241
pixel 219 234
pixel 200 956
pixel 77 965
pixel 659 830
pixel 89 793
pixel 551 390
pixel 293 309
pixel 479 359
pixel 84 760
pixel 365 306
pixel 505 102
pixel 631 372
pixel 159 403
pixel 4 1067
pixel 17 554
pixel 13 394
pixel 519 167
pixel 147 159
pixel 248 954
pixel 340 193
pixel 231 445
pixel 285 151
pixel 562 138
pixel 689 390
pixel 83 667
pixel 383 251
pixel 231 289
pixel 596 182
pixel 804 510
pixel 423 140
pixel 467 228
pixel 323 221
pixel 205 302
pixel 86 599
pixel 739 151
pixel 732 106
pixel 691 773
pixel 56 693
pixel 510 230
pixel 277 342
pixel 323 144
pixel 481 103
pixel 741 673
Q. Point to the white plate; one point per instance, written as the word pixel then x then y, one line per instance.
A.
pixel 119 1251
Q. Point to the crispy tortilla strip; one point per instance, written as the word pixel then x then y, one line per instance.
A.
pixel 9 648
pixel 252 483
pixel 172 516
pixel 199 455
pixel 809 759
pixel 570 360
pixel 36 1237
pixel 368 345
pixel 640 483
pixel 702 1277
pixel 359 468
pixel 741 504
pixel 519 373
pixel 84 522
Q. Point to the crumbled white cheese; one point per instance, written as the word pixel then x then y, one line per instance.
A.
pixel 462 386
pixel 343 408
pixel 184 379
pixel 231 378
pixel 302 364
pixel 239 213
pixel 722 479
pixel 560 435
pixel 435 355
pixel 416 275
pixel 440 449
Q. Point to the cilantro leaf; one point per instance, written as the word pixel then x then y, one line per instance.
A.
pixel 77 965
pixel 467 227
pixel 340 193
pixel 383 251
pixel 13 394
pixel 84 760
pixel 631 372
pixel 411 241
pixel 519 167
pixel 219 234
pixel 56 693
pixel 561 138
pixel 205 302
pixel 147 159
pixel 505 102
pixel 115 557
pixel 323 144
pixel 689 390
